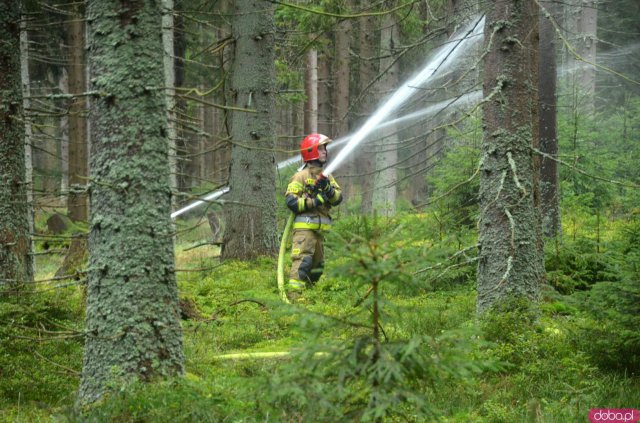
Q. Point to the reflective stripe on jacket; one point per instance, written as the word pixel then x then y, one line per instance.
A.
pixel 313 223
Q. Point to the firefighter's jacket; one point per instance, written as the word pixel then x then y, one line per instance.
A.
pixel 299 197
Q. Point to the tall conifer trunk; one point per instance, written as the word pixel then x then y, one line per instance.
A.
pixel 250 217
pixel 341 91
pixel 170 83
pixel 586 48
pixel 367 74
pixel 311 91
pixel 510 260
pixel 78 146
pixel 550 203
pixel 15 241
pixel 384 192
pixel 133 329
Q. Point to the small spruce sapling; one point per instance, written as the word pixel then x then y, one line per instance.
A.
pixel 357 366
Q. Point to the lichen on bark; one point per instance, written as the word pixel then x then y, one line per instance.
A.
pixel 250 216
pixel 16 269
pixel 133 329
pixel 510 261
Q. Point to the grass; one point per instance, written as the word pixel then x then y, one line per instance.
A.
pixel 547 376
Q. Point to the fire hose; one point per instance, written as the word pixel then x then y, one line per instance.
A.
pixel 284 242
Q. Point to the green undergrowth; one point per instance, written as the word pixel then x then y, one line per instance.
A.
pixel 430 360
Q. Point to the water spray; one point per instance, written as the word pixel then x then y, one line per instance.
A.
pixel 209 197
pixel 375 122
pixel 463 100
pixel 446 54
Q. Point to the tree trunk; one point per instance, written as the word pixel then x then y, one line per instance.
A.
pixel 550 207
pixel 178 161
pixel 63 86
pixel 365 162
pixel 133 329
pixel 250 217
pixel 460 11
pixel 78 160
pixel 325 88
pixel 202 141
pixel 342 75
pixel 28 136
pixel 222 153
pixel 384 191
pixel 15 242
pixel 170 91
pixel 510 261
pixel 311 90
pixel 586 48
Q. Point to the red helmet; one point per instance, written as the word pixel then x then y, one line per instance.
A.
pixel 309 146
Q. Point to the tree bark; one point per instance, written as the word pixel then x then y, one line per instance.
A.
pixel 250 217
pixel 78 152
pixel 63 86
pixel 384 191
pixel 311 90
pixel 170 92
pixel 132 325
pixel 325 88
pixel 222 153
pixel 510 261
pixel 342 75
pixel 365 162
pixel 550 207
pixel 28 137
pixel 15 243
pixel 586 48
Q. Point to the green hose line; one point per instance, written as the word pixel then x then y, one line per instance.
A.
pixel 283 248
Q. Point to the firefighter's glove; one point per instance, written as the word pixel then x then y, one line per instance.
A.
pixel 325 187
pixel 323 183
pixel 320 200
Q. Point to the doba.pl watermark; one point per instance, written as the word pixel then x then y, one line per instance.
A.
pixel 614 415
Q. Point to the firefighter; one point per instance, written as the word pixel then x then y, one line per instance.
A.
pixel 310 195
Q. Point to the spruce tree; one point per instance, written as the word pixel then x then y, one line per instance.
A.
pixel 133 329
pixel 510 258
pixel 15 240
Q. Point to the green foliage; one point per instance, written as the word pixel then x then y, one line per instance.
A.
pixel 590 250
pixel 428 362
pixel 604 148
pixel 548 379
pixel 456 184
pixel 290 84
pixel 578 266
pixel 610 332
pixel 187 399
pixel 378 371
pixel 40 348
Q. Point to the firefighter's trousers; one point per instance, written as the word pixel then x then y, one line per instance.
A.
pixel 307 258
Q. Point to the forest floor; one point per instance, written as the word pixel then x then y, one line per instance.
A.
pixel 540 373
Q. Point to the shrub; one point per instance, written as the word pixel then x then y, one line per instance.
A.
pixel 610 333
pixel 40 348
pixel 376 372
pixel 178 400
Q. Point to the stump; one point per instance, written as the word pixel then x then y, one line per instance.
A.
pixel 76 259
pixel 58 224
pixel 189 309
pixel 216 226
